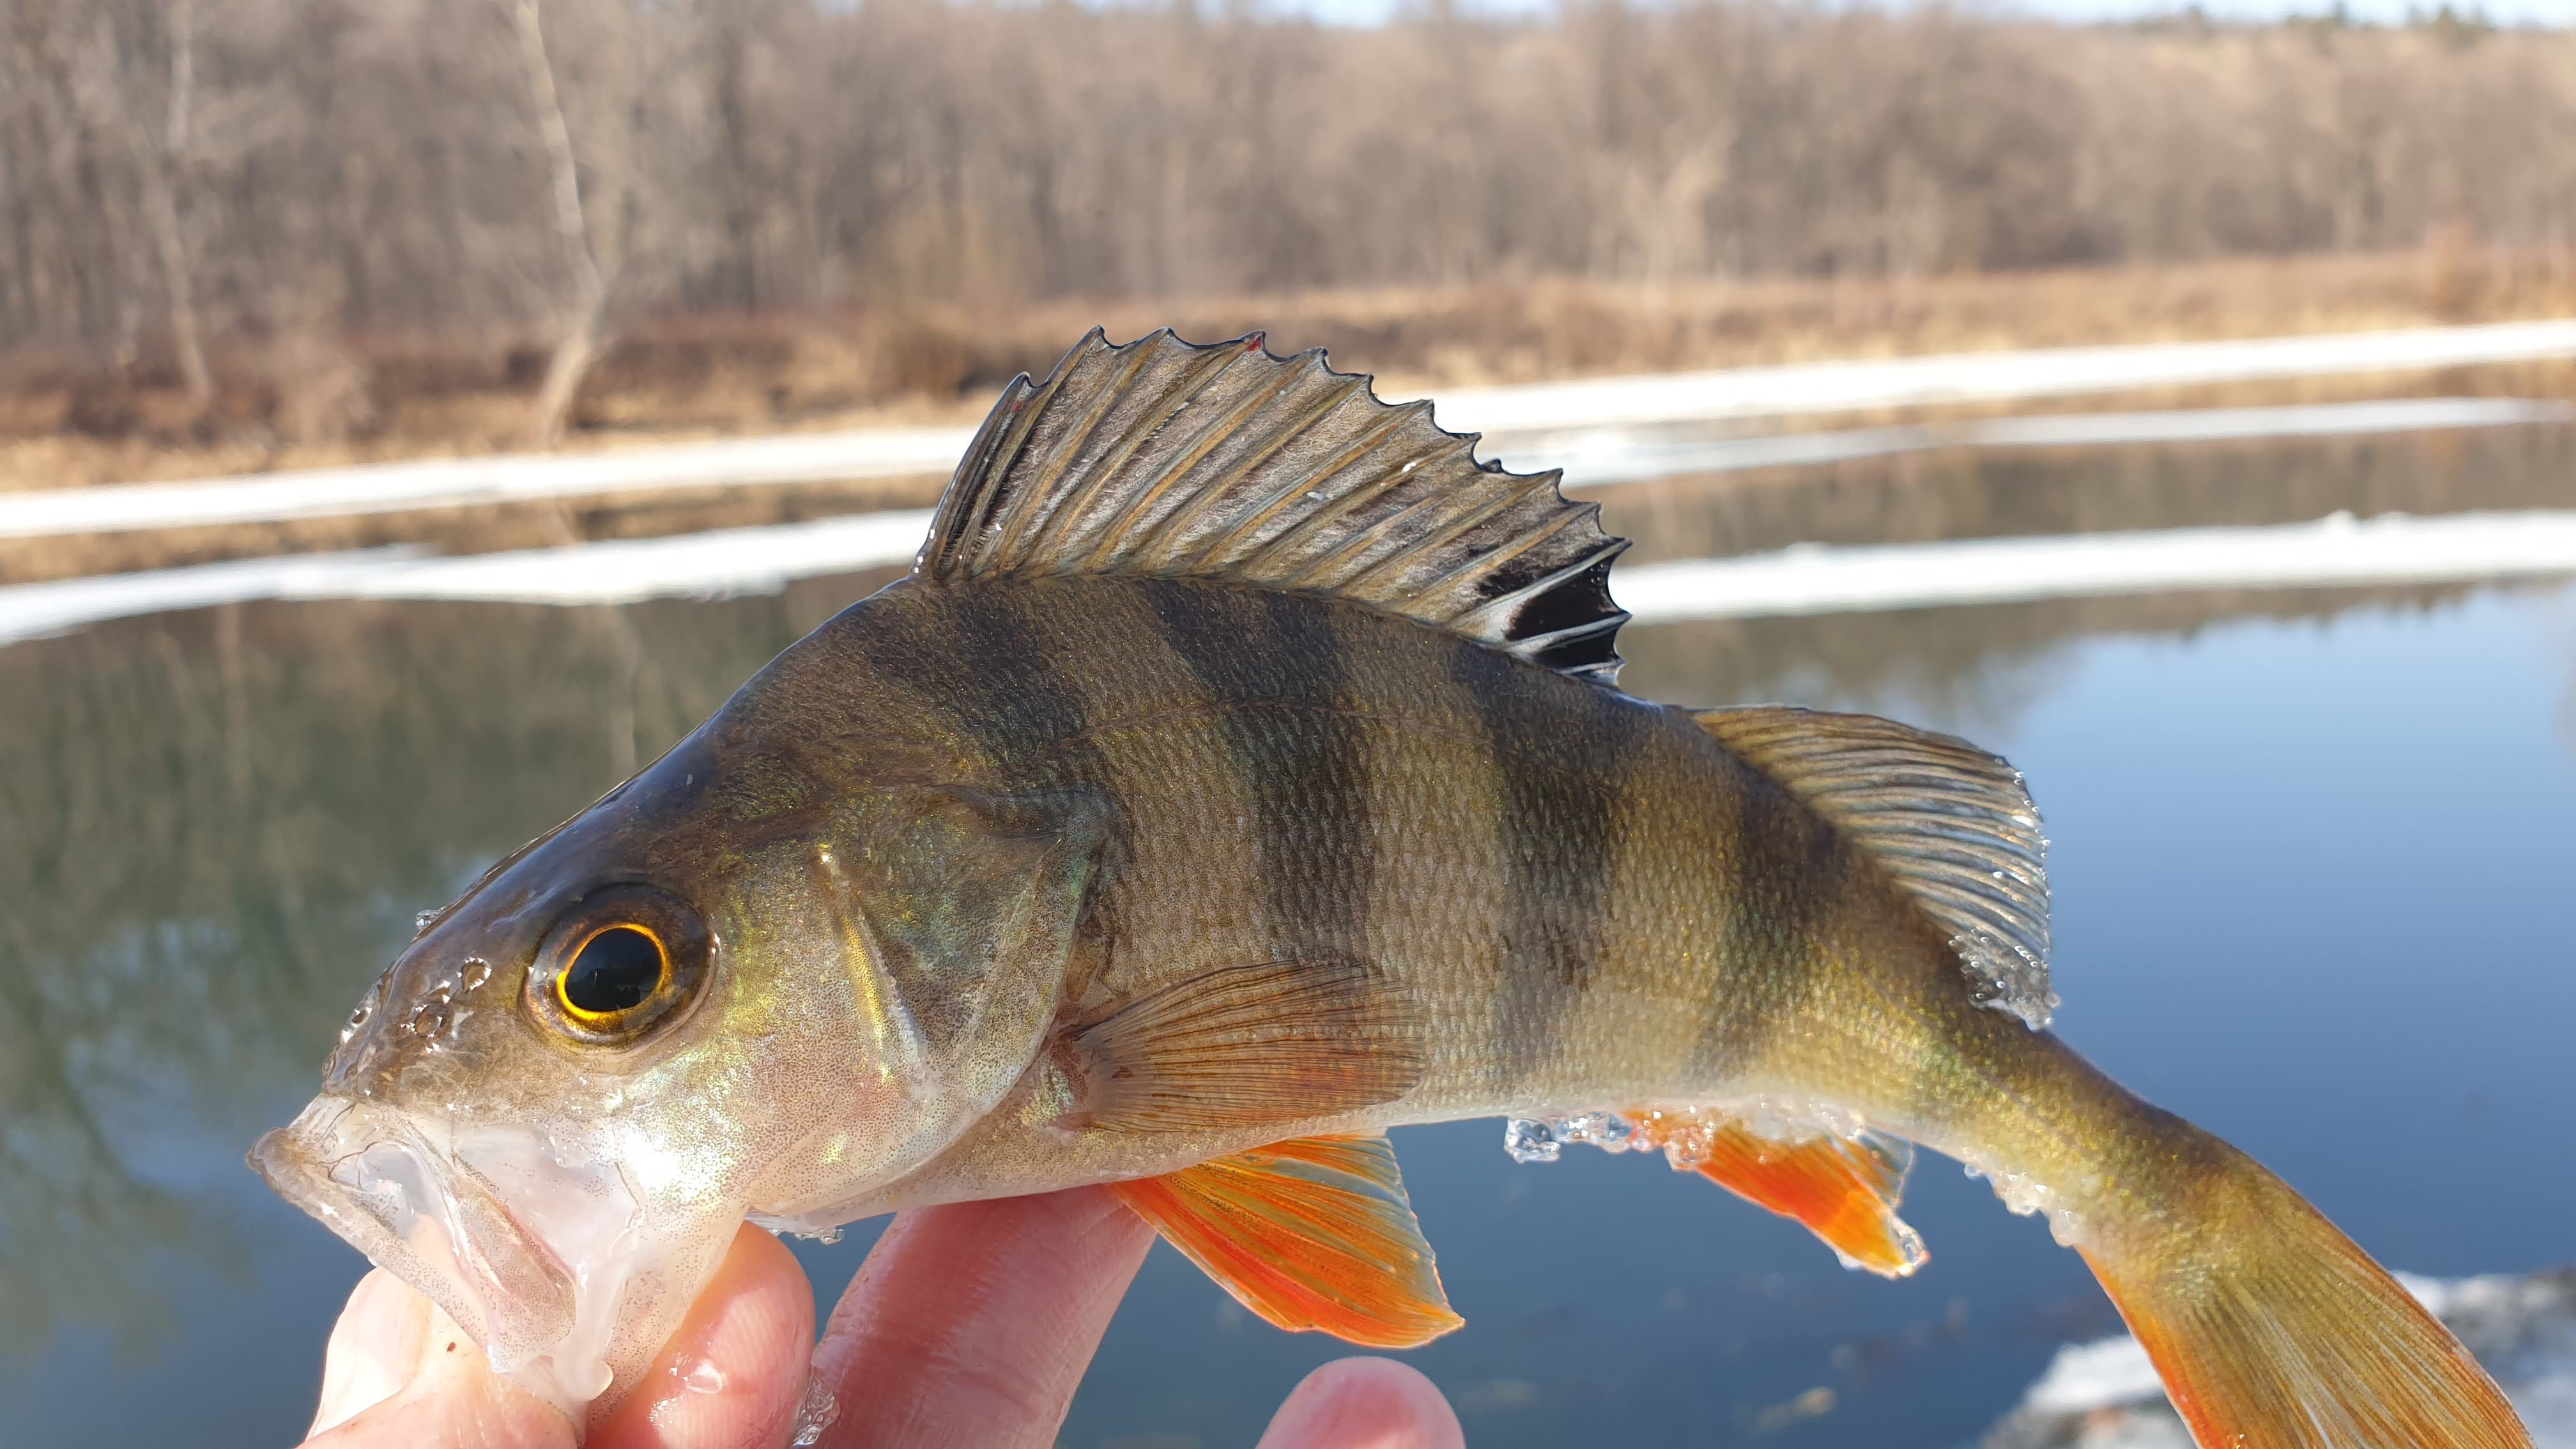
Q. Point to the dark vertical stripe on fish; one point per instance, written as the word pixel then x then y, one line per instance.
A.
pixel 1559 823
pixel 1788 869
pixel 1273 660
pixel 990 666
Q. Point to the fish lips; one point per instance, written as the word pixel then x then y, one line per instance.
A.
pixel 425 1206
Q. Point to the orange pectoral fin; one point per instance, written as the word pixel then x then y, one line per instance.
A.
pixel 1843 1189
pixel 1310 1233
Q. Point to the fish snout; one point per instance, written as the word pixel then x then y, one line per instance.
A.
pixel 428 1215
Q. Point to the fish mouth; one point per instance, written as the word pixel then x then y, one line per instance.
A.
pixel 532 1248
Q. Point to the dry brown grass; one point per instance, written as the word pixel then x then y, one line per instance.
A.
pixel 301 404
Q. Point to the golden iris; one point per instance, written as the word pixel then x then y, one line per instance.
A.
pixel 618 960
pixel 617 970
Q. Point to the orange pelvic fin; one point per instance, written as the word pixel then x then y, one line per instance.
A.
pixel 1843 1187
pixel 1310 1233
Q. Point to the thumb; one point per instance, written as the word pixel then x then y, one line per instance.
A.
pixel 399 1372
pixel 1365 1403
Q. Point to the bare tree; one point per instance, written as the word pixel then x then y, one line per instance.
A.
pixel 163 170
pixel 585 306
pixel 136 79
pixel 545 175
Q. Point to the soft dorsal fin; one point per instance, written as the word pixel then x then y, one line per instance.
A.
pixel 1952 823
pixel 1161 459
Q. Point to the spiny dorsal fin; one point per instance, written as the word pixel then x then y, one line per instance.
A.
pixel 1952 823
pixel 1161 459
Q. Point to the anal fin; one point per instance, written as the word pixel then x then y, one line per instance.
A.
pixel 1843 1187
pixel 1313 1233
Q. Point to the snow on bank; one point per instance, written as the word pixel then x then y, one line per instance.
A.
pixel 1603 457
pixel 2333 552
pixel 620 571
pixel 1969 377
pixel 474 482
pixel 1806 579
pixel 1577 425
pixel 2106 1395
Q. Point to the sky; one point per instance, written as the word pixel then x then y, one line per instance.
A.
pixel 2511 12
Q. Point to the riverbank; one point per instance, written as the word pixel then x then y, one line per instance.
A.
pixel 287 402
pixel 1601 432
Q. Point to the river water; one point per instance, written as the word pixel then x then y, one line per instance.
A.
pixel 2312 868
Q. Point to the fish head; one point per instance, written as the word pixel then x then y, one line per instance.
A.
pixel 740 984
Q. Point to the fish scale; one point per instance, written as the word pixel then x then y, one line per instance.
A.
pixel 1240 773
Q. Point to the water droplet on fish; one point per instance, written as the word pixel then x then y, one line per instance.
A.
pixel 705 1378
pixel 2025 1196
pixel 825 1236
pixel 1606 1130
pixel 816 1412
pixel 421 922
pixel 1530 1140
pixel 2003 976
pixel 2067 1226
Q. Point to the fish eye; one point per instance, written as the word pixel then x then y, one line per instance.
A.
pixel 617 961
pixel 617 969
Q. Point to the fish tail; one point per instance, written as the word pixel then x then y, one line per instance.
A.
pixel 2270 1328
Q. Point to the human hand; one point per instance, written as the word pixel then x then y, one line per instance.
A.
pixel 968 1325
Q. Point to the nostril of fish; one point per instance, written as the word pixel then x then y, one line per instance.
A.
pixel 432 1017
pixel 476 971
pixel 366 1008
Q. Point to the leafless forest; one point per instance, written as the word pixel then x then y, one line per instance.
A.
pixel 186 180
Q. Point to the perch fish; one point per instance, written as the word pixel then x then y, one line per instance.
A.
pixel 1240 773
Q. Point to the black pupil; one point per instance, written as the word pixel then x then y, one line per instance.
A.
pixel 616 971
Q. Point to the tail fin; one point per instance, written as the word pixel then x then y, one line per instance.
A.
pixel 2272 1330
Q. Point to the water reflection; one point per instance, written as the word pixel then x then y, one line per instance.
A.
pixel 215 827
pixel 1979 666
pixel 209 825
pixel 1984 494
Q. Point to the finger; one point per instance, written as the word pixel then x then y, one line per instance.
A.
pixel 373 1347
pixel 732 1375
pixel 1365 1403
pixel 971 1324
pixel 399 1374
